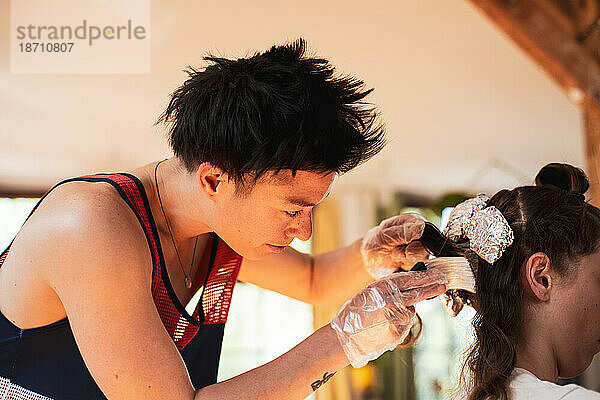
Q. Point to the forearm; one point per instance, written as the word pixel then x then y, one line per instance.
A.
pixel 327 279
pixel 290 376
pixel 337 275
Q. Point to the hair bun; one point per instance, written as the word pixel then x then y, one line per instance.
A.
pixel 564 177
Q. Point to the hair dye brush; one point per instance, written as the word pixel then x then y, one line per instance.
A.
pixel 461 281
pixel 456 269
pixel 456 262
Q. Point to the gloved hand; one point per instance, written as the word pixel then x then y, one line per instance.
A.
pixel 394 244
pixel 379 317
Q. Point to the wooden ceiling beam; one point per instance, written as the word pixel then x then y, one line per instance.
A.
pixel 586 13
pixel 541 30
pixel 551 44
pixel 559 19
pixel 591 122
pixel 587 19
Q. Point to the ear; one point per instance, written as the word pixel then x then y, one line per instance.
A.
pixel 537 276
pixel 213 180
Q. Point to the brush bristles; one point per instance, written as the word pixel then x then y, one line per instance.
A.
pixel 457 270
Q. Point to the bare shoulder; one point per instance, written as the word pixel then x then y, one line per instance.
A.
pixel 84 215
pixel 88 248
pixel 89 224
pixel 80 230
pixel 79 202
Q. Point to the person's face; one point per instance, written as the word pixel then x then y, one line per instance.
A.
pixel 577 316
pixel 274 212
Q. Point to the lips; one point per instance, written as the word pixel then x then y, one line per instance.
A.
pixel 276 248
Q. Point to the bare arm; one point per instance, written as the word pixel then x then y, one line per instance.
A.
pixel 327 279
pixel 104 283
pixel 294 375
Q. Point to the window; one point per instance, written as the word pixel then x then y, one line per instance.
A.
pixel 261 326
pixel 13 213
pixel 439 354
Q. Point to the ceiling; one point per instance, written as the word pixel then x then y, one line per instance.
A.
pixel 465 109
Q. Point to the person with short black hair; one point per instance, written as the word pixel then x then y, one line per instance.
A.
pixel 94 287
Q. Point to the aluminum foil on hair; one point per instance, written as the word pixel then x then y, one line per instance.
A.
pixel 489 234
pixel 462 214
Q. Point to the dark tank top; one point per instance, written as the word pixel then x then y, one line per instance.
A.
pixel 44 362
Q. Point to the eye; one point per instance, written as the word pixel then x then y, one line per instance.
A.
pixel 293 213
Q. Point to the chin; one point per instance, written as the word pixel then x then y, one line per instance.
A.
pixel 253 254
pixel 244 251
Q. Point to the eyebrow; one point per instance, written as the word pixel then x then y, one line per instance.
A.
pixel 301 202
pixel 304 203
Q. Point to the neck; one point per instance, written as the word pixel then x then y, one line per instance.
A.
pixel 184 207
pixel 536 355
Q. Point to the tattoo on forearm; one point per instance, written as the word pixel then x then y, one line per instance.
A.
pixel 317 384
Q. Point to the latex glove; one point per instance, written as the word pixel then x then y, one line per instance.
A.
pixel 380 316
pixel 393 245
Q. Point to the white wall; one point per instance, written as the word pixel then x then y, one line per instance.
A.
pixel 455 94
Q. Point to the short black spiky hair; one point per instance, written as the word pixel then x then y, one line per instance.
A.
pixel 272 111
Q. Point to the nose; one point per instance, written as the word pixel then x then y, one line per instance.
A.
pixel 301 228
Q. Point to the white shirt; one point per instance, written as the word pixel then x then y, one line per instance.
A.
pixel 526 386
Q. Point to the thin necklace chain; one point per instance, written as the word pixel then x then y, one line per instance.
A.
pixel 188 280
